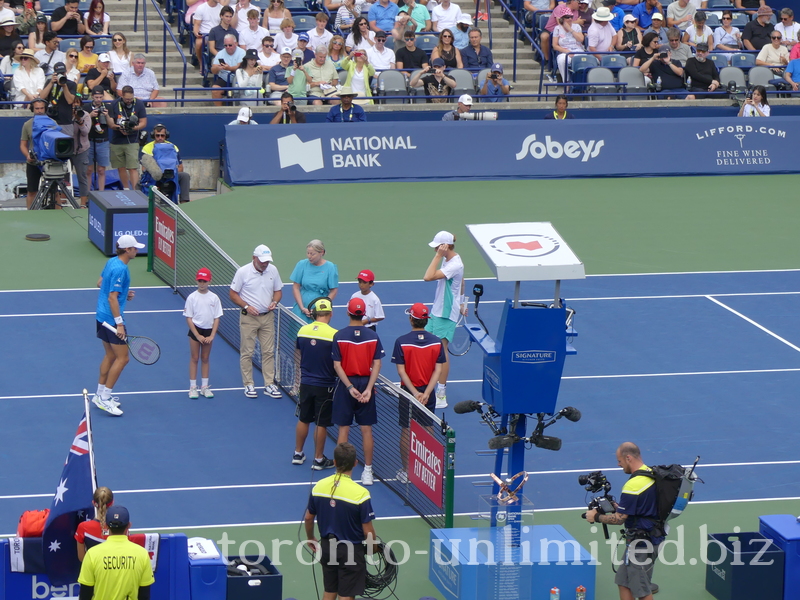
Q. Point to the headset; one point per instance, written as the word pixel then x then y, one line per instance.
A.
pixel 311 304
pixel 34 101
pixel 159 126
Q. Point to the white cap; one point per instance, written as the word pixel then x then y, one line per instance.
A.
pixel 658 16
pixel 464 19
pixel 244 114
pixel 286 50
pixel 262 253
pixel 104 57
pixel 628 17
pixel 465 99
pixel 128 241
pixel 444 237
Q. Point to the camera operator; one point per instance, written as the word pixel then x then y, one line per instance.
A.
pixel 637 511
pixel 464 106
pixel 34 174
pixel 127 116
pixel 434 82
pixel 98 158
pixel 82 123
pixel 160 136
pixel 288 112
pixel 59 92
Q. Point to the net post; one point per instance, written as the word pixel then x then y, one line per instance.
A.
pixel 450 478
pixel 151 227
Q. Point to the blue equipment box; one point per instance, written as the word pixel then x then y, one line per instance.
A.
pixel 784 531
pixel 738 567
pixel 208 577
pixel 256 587
pixel 480 564
pixel 115 213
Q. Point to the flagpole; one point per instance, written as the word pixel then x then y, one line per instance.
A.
pixel 89 439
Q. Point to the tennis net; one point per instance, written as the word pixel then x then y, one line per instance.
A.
pixel 178 247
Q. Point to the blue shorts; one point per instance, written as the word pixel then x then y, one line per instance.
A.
pixel 441 327
pixel 346 408
pixel 106 335
pixel 103 154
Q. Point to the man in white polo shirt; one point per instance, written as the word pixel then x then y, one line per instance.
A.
pixel 257 289
pixel 445 16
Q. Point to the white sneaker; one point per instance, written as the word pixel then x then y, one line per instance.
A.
pixel 194 394
pixel 272 391
pixel 402 476
pixel 367 477
pixel 96 400
pixel 441 399
pixel 206 392
pixel 109 407
pixel 250 391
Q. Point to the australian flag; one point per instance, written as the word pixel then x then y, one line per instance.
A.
pixel 72 504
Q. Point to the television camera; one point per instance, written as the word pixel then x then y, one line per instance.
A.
pixel 51 149
pixel 594 483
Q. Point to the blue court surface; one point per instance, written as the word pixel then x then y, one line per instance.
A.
pixel 683 364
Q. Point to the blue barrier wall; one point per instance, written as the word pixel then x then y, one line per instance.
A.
pixel 507 149
pixel 198 135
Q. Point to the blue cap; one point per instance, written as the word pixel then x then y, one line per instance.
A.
pixel 497 67
pixel 117 516
pixel 302 37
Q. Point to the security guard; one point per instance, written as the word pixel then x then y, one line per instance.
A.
pixel 637 511
pixel 317 378
pixel 344 515
pixel 117 568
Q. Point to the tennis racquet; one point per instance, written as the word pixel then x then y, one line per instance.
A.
pixel 143 349
pixel 462 342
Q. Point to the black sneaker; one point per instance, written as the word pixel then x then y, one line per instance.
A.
pixel 299 458
pixel 653 588
pixel 325 463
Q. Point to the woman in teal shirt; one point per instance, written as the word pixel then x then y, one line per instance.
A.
pixel 313 277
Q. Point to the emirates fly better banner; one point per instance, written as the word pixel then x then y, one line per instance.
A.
pixel 426 463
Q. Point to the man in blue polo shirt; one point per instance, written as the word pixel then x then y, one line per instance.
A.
pixel 357 353
pixel 344 515
pixel 114 284
pixel 381 16
pixel 644 12
pixel 317 378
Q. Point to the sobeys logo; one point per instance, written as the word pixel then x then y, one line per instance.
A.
pixel 570 149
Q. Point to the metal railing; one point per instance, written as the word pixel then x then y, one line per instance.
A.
pixel 520 28
pixel 166 30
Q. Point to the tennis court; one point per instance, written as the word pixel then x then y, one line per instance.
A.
pixel 683 363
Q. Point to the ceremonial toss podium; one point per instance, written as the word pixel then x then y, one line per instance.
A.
pixel 522 369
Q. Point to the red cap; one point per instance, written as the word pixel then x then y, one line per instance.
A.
pixel 367 275
pixel 418 311
pixel 356 307
pixel 204 274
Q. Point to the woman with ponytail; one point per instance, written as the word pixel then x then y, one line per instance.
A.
pixel 95 530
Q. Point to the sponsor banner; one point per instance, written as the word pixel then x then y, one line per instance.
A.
pixel 164 237
pixel 426 463
pixel 511 149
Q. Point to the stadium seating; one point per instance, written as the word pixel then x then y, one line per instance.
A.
pixel 392 83
pixel 740 20
pixel 427 42
pixel 613 61
pixel 102 44
pixel 304 23
pixel 600 75
pixel 48 6
pixel 720 60
pixel 761 76
pixel 712 20
pixel 734 74
pixel 635 80
pixel 69 44
pixel 743 61
pixel 719 4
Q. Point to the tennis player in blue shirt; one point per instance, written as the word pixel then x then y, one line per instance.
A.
pixel 114 284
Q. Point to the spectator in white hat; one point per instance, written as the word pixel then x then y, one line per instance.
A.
pixel 461 31
pixel 601 33
pixel 102 76
pixel 245 117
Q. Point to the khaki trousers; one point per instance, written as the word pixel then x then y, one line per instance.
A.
pixel 263 328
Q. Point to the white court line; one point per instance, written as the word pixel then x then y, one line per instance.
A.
pixel 406 517
pixel 247 486
pixel 81 314
pixel 749 320
pixel 734 272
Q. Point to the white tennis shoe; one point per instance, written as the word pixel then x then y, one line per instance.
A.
pixel 108 406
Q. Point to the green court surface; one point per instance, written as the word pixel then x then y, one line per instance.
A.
pixel 682 576
pixel 649 225
pixel 643 225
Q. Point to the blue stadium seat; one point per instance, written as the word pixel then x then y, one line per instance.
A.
pixel 295 6
pixel 743 61
pixel 48 6
pixel 427 42
pixel 712 20
pixel 740 20
pixel 69 44
pixel 102 44
pixel 720 60
pixel 613 61
pixel 719 4
pixel 304 23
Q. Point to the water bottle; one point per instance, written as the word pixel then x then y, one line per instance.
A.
pixel 580 593
pixel 382 86
pixel 555 594
pixel 658 84
pixel 688 83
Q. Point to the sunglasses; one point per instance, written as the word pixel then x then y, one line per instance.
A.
pixel 268 45
pixel 337 43
pixel 786 19
pixel 73 56
pixel 159 135
pixel 118 40
pixel 446 37
pixel 230 45
pixel 775 37
pixel 90 46
pixel 24 57
pixel 727 18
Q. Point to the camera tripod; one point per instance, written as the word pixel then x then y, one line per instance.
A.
pixel 53 175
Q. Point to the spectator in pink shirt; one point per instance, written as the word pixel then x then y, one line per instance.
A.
pixel 601 33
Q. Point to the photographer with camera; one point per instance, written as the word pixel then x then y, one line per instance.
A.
pixel 127 116
pixel 98 159
pixel 665 72
pixel 434 82
pixel 167 159
pixel 288 112
pixel 495 85
pixel 32 171
pixel 81 124
pixel 637 512
pixel 464 106
pixel 59 92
